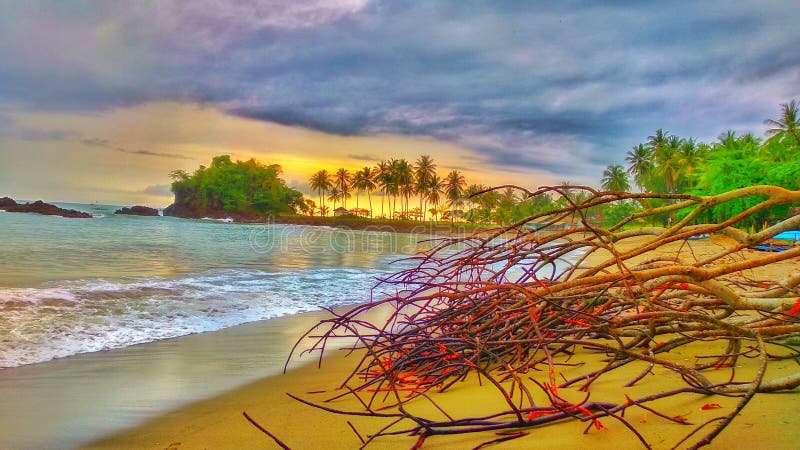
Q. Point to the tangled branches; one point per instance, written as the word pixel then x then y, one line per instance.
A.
pixel 518 308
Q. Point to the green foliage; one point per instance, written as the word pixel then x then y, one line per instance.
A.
pixel 669 163
pixel 738 162
pixel 616 179
pixel 617 212
pixel 243 187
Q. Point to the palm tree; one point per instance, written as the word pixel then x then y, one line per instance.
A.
pixel 690 155
pixel 364 180
pixel 640 164
pixel 342 181
pixel 403 177
pixel 321 183
pixel 383 177
pixel 424 170
pixel 657 140
pixel 436 188
pixel 454 189
pixel 615 179
pixel 668 163
pixel 335 196
pixel 787 127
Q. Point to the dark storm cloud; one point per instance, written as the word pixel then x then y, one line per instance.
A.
pixel 564 87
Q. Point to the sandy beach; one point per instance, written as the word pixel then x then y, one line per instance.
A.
pixel 769 421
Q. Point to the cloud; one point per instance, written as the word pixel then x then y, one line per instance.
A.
pixel 561 87
pixel 104 143
pixel 158 190
pixel 11 130
pixel 364 157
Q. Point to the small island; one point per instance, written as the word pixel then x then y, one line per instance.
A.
pixel 39 207
pixel 138 210
pixel 245 191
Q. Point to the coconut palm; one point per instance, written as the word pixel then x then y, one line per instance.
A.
pixel 690 155
pixel 394 185
pixel 657 140
pixel 667 160
pixel 364 180
pixel 335 196
pixel 342 181
pixel 615 179
pixel 640 164
pixel 436 189
pixel 403 176
pixel 424 170
pixel 454 189
pixel 321 183
pixel 787 128
pixel 383 178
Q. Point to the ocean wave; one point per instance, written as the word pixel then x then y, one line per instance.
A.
pixel 69 317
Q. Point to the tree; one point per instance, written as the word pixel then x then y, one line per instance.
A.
pixel 424 171
pixel 403 179
pixel 640 164
pixel 385 181
pixel 364 180
pixel 335 196
pixel 787 128
pixel 435 190
pixel 310 206
pixel 689 156
pixel 454 189
pixel 321 183
pixel 342 181
pixel 616 179
pixel 245 187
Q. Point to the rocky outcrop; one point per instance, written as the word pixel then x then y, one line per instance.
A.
pixel 6 202
pixel 40 207
pixel 189 212
pixel 138 210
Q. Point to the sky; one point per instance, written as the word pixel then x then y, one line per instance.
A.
pixel 100 100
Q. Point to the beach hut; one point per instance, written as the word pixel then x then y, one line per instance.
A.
pixel 359 212
pixel 339 212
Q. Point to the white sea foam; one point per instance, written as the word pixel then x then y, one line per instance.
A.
pixel 70 317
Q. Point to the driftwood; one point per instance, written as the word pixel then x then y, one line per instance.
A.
pixel 513 305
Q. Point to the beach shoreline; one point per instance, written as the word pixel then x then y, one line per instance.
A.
pixel 218 422
pixel 67 402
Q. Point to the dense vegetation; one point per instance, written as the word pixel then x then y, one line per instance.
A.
pixel 665 163
pixel 417 192
pixel 671 164
pixel 244 187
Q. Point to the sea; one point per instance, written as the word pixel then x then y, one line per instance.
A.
pixel 71 286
